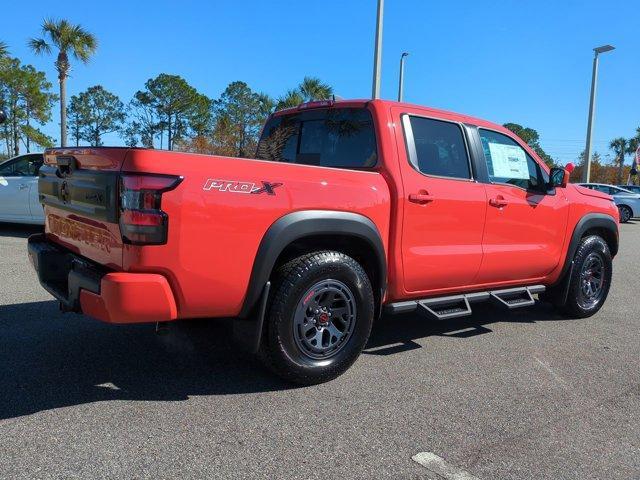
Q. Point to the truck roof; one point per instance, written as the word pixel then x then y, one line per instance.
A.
pixel 439 113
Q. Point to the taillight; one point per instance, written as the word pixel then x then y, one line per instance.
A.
pixel 142 222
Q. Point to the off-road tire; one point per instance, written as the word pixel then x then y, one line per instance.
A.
pixel 591 248
pixel 279 350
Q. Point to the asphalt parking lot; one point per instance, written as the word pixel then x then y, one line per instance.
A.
pixel 500 395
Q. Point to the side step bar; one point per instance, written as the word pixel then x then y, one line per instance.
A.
pixel 454 306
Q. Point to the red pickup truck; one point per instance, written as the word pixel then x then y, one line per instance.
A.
pixel 350 208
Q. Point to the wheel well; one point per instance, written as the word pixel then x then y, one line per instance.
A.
pixel 355 247
pixel 608 236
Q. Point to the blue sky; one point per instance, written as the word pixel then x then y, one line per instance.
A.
pixel 508 61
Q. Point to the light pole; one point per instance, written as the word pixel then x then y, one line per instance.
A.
pixel 401 79
pixel 594 80
pixel 377 54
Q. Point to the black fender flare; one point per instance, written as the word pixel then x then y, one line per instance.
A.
pixel 305 223
pixel 590 221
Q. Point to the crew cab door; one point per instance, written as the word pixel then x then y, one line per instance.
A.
pixel 526 222
pixel 443 206
pixel 18 182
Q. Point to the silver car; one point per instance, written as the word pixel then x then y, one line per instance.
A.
pixel 627 201
pixel 631 188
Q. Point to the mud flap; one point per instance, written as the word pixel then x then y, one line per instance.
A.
pixel 247 332
pixel 557 295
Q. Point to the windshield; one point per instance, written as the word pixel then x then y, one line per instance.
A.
pixel 334 137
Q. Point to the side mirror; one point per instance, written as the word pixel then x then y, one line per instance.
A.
pixel 3 116
pixel 559 177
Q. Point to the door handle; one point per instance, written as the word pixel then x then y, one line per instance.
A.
pixel 420 198
pixel 22 186
pixel 498 202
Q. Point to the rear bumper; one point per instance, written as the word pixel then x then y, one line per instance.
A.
pixel 83 287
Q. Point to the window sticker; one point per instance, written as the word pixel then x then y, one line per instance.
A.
pixel 509 161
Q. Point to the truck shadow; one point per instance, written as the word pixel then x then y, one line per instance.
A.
pixel 49 360
pixel 392 335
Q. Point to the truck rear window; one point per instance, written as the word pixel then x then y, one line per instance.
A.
pixel 334 137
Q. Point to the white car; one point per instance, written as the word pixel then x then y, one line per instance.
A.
pixel 19 201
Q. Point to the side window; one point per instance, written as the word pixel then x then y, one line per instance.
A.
pixel 279 142
pixel 25 166
pixel 35 162
pixel 6 169
pixel 508 162
pixel 439 148
pixel 335 137
pixel 16 168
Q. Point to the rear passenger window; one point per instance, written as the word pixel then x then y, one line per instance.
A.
pixel 437 148
pixel 508 162
pixel 335 137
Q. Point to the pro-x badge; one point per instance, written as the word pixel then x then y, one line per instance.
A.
pixel 235 186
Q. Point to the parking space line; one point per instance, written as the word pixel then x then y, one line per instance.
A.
pixel 551 372
pixel 439 466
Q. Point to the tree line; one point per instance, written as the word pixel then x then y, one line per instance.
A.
pixel 168 112
pixel 617 172
pixel 26 98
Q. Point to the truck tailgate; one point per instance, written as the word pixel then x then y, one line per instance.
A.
pixel 79 190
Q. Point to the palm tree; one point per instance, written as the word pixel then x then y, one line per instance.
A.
pixel 634 142
pixel 4 50
pixel 313 89
pixel 266 104
pixel 291 99
pixel 619 146
pixel 67 38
